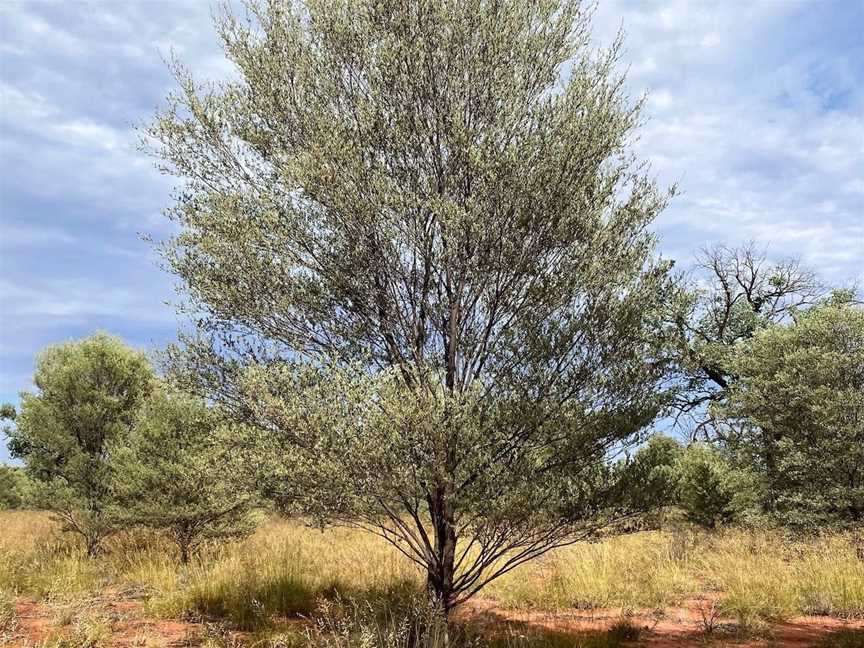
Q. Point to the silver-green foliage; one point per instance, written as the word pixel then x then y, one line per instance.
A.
pixel 417 250
pixel 178 471
pixel 87 395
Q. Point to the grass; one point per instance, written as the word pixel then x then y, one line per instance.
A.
pixel 287 569
pixel 843 639
pixel 281 571
pixel 761 575
pixel 349 624
pixel 642 571
pixel 8 618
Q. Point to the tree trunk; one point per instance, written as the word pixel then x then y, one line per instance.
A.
pixel 93 546
pixel 184 553
pixel 183 537
pixel 440 576
pixel 442 573
pixel 772 475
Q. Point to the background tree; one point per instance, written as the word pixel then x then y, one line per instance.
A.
pixel 710 490
pixel 11 477
pixel 87 395
pixel 177 471
pixel 736 292
pixel 799 407
pixel 12 487
pixel 419 260
pixel 699 480
pixel 652 477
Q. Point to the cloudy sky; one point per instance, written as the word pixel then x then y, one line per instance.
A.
pixel 756 111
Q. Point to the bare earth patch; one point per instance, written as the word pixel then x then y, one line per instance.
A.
pixel 126 626
pixel 679 627
pixel 123 620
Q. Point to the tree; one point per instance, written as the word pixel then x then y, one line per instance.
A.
pixel 87 395
pixel 799 406
pixel 12 487
pixel 177 472
pixel 652 474
pixel 737 292
pixel 418 256
pixel 710 490
pixel 11 479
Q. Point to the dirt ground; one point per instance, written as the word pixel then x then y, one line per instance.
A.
pixel 692 625
pixel 123 618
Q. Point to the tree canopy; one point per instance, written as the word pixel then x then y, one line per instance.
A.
pixel 87 394
pixel 177 471
pixel 735 292
pixel 417 250
pixel 798 413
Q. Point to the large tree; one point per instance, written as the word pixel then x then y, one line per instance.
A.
pixel 734 292
pixel 798 409
pixel 418 254
pixel 87 395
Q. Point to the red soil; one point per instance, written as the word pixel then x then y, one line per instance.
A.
pixel 128 627
pixel 683 627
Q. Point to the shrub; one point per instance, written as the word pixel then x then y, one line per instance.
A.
pixel 178 471
pixel 12 487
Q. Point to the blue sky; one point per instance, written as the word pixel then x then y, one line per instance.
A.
pixel 756 109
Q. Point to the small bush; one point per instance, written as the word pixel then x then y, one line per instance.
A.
pixel 86 633
pixel 624 630
pixel 846 638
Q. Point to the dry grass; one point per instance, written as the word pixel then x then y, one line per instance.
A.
pixel 286 569
pixel 641 571
pixel 282 570
pixel 758 575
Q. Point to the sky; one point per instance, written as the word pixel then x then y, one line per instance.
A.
pixel 755 110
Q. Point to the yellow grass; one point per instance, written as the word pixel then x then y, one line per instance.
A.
pixel 639 571
pixel 286 567
pixel 757 575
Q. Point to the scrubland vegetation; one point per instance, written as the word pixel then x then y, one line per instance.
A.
pixel 287 570
pixel 433 339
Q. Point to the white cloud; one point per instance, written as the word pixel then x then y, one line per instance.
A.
pixel 759 118
pixel 76 298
